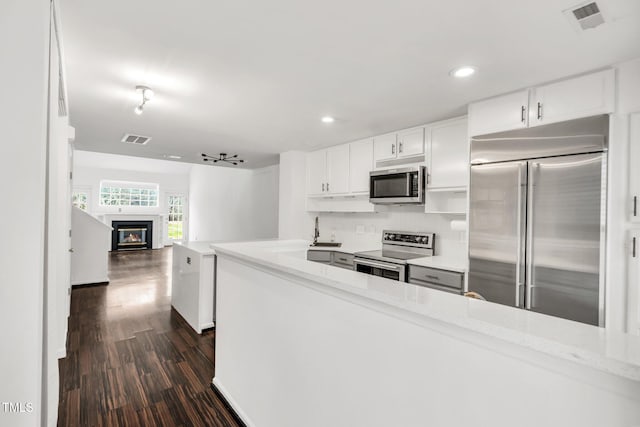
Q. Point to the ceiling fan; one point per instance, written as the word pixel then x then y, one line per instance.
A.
pixel 223 157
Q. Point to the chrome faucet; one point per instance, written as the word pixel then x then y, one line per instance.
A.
pixel 316 232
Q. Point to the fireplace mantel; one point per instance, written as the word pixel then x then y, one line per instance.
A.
pixel 158 225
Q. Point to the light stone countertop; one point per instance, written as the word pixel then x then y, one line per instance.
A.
pixel 609 351
pixel 459 265
pixel 349 248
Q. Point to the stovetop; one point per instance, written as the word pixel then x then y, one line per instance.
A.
pixel 400 246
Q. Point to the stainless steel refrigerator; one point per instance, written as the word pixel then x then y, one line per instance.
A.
pixel 537 215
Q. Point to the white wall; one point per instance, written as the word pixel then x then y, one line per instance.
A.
pixel 367 227
pixel 233 204
pixel 24 31
pixel 265 202
pixel 294 221
pixel 90 259
pixel 90 168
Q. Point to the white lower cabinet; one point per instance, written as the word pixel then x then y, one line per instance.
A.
pixel 633 282
pixel 193 286
pixel 634 171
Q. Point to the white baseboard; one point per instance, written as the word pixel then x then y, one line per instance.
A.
pixel 61 353
pixel 244 417
pixel 89 281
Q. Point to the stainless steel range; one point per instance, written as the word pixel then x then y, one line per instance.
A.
pixel 397 248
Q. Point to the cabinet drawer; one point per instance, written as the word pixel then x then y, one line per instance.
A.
pixel 319 256
pixel 437 277
pixel 341 259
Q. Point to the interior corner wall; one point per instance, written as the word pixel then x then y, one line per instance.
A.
pixel 228 204
pixel 24 31
pixel 294 222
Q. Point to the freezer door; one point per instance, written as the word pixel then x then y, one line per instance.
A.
pixel 497 232
pixel 566 229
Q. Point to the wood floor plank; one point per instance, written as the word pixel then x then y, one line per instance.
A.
pixel 131 359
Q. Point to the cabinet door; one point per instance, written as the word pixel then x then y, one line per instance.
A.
pixel 633 282
pixel 634 171
pixel 316 172
pixel 499 114
pixel 384 147
pixel 361 163
pixel 574 98
pixel 411 142
pixel 338 169
pixel 449 157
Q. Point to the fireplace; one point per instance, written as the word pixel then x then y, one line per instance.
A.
pixel 129 235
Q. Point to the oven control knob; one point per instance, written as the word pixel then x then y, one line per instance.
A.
pixel 418 239
pixel 391 236
pixel 425 240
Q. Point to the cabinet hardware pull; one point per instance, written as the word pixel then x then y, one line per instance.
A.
pixel 400 148
pixel 323 187
pixel 633 248
pixel 327 186
pixel 539 111
pixel 522 117
pixel 393 148
pixel 635 205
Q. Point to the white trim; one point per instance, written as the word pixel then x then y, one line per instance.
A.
pixel 239 412
pixel 90 281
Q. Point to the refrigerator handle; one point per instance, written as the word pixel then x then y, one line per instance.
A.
pixel 530 219
pixel 520 232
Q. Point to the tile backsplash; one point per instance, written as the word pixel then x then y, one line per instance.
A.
pixel 365 228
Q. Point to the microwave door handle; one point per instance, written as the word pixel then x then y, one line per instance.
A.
pixel 408 193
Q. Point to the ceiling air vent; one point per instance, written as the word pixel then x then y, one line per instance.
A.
pixel 135 139
pixel 586 15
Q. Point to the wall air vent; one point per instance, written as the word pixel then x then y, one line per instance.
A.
pixel 585 16
pixel 135 139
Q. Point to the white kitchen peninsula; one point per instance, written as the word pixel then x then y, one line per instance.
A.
pixel 302 343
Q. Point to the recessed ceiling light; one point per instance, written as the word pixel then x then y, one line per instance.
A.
pixel 462 72
pixel 328 119
pixel 172 156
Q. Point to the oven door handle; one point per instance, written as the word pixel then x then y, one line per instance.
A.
pixel 366 262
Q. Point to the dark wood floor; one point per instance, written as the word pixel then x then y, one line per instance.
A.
pixel 131 359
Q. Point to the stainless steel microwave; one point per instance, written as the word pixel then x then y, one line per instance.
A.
pixel 397 186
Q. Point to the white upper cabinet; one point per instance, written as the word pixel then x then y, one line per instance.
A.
pixel 574 98
pixel 384 147
pixel 328 171
pixel 499 114
pixel 410 142
pixel 316 172
pixel 361 163
pixel 338 169
pixel 448 144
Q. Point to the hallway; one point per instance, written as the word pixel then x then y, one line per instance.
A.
pixel 131 359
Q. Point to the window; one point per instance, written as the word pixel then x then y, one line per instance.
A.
pixel 176 216
pixel 115 193
pixel 80 200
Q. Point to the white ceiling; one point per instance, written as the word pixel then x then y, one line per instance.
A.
pixel 254 78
